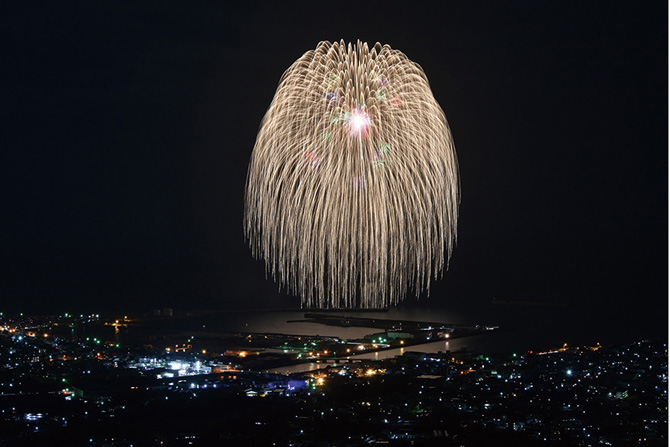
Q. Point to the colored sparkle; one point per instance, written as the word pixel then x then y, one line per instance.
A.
pixel 312 159
pixel 396 102
pixel 333 81
pixel 377 159
pixel 326 137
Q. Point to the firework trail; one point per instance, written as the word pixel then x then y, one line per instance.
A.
pixel 352 190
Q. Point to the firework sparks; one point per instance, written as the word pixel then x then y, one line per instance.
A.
pixel 352 190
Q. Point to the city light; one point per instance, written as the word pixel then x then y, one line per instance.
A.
pixel 400 391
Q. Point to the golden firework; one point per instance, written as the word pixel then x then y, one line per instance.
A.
pixel 352 191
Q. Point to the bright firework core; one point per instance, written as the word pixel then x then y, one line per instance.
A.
pixel 358 121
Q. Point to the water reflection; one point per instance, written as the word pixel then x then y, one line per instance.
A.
pixel 302 367
pixel 438 346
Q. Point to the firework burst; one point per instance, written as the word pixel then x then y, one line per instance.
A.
pixel 352 190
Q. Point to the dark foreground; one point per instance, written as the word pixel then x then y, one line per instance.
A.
pixel 87 393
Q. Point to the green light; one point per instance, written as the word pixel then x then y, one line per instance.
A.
pixel 514 355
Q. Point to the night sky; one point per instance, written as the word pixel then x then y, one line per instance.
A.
pixel 127 128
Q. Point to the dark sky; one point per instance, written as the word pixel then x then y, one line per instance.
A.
pixel 127 128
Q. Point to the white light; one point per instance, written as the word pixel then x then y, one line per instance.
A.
pixel 358 122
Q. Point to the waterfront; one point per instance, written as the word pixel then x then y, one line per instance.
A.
pixel 433 347
pixel 522 328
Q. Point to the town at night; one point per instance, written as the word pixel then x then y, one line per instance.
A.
pixel 73 380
